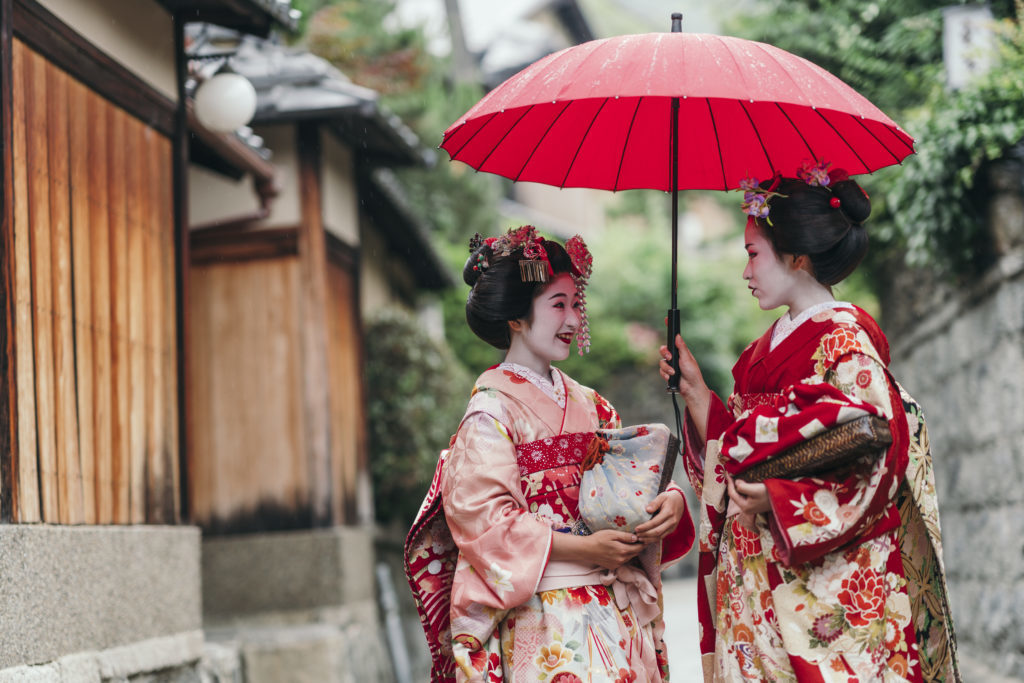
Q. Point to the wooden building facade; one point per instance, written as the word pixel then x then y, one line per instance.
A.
pixel 161 384
pixel 90 401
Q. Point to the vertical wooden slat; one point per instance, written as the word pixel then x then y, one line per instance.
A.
pixel 27 503
pixel 313 268
pixel 99 248
pixel 42 278
pixel 119 285
pixel 169 341
pixel 66 413
pixel 136 292
pixel 157 492
pixel 80 133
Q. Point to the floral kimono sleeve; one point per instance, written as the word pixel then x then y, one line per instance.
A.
pixel 812 516
pixel 503 549
pixel 607 417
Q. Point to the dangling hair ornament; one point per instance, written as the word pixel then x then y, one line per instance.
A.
pixel 582 265
pixel 755 197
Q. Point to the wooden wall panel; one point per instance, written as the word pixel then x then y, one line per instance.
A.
pixel 136 322
pixel 69 481
pixel 38 139
pixel 169 340
pixel 94 302
pixel 119 286
pixel 347 416
pixel 79 134
pixel 248 465
pixel 99 247
pixel 26 494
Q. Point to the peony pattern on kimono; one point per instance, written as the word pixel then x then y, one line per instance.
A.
pixel 508 483
pixel 830 585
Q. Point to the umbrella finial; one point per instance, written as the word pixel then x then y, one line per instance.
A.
pixel 677 22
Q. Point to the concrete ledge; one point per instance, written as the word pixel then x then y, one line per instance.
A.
pixel 293 571
pixel 118 663
pixel 67 590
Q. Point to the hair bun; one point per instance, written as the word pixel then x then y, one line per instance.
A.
pixel 853 201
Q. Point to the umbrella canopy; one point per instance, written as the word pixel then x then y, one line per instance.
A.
pixel 599 115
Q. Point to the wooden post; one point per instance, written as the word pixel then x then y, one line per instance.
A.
pixel 313 274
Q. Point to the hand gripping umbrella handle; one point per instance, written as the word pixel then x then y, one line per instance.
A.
pixel 673 330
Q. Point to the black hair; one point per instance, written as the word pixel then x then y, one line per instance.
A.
pixel 498 292
pixel 806 221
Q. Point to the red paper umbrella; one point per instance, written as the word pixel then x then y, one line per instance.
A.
pixel 599 115
pixel 672 111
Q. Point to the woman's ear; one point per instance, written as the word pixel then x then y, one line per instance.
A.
pixel 803 262
pixel 515 325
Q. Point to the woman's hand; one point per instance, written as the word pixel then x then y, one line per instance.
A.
pixel 751 499
pixel 691 383
pixel 667 509
pixel 611 549
pixel 606 548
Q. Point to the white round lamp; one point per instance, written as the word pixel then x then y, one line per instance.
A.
pixel 225 102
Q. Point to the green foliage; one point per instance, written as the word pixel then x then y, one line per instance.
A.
pixel 925 212
pixel 935 208
pixel 416 395
pixel 355 37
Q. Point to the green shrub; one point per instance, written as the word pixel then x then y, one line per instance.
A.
pixel 416 395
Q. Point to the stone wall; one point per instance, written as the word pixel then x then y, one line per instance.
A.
pixel 960 352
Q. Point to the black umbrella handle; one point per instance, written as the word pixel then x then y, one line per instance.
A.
pixel 673 330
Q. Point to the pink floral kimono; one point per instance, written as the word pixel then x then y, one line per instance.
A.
pixel 492 605
pixel 843 580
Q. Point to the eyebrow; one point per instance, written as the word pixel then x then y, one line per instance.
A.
pixel 556 295
pixel 748 245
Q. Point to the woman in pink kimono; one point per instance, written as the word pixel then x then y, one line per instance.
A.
pixel 836 577
pixel 506 591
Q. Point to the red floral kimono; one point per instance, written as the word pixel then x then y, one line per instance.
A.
pixel 493 607
pixel 843 579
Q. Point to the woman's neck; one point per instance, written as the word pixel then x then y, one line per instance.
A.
pixel 528 360
pixel 811 294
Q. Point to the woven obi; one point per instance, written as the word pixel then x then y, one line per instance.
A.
pixel 743 403
pixel 549 473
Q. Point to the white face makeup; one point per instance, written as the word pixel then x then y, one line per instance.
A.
pixel 547 336
pixel 774 281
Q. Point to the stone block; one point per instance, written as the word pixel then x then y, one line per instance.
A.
pixel 286 571
pixel 68 590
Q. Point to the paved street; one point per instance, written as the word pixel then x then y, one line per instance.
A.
pixel 681 630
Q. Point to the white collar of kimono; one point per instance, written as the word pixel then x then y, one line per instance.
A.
pixel 786 325
pixel 552 385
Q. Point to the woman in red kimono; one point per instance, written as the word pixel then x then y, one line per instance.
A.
pixel 836 577
pixel 505 591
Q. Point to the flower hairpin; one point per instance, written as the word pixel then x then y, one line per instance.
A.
pixel 582 265
pixel 755 197
pixel 815 174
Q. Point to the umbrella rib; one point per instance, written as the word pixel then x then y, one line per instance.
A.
pixel 848 145
pixel 879 141
pixel 625 146
pixel 470 138
pixel 718 142
pixel 583 139
pixel 526 110
pixel 759 140
pixel 797 129
pixel 540 141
